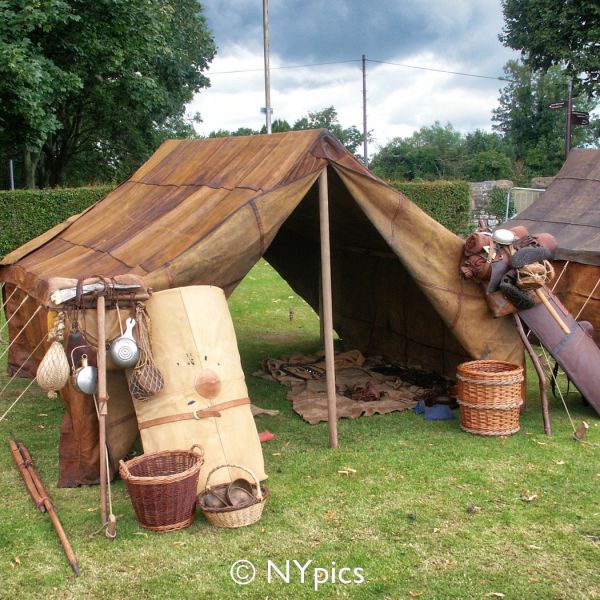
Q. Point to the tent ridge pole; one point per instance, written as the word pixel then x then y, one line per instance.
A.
pixel 327 314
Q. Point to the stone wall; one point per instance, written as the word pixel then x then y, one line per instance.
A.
pixel 480 197
pixel 521 199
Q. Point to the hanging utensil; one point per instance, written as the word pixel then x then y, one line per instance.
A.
pixel 124 350
pixel 85 378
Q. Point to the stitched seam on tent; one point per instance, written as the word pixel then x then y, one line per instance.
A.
pixel 198 185
pixel 259 224
pixel 106 252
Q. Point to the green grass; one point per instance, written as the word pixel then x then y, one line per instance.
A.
pixel 402 518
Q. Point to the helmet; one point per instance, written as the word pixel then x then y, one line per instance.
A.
pixel 504 237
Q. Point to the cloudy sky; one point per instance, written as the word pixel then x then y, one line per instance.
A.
pixel 453 35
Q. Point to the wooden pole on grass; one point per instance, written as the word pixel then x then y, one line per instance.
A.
pixel 540 374
pixel 102 409
pixel 327 308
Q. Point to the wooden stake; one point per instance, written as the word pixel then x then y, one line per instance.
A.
pixel 40 493
pixel 102 398
pixel 29 483
pixel 540 374
pixel 327 308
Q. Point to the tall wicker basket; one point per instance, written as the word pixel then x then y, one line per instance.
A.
pixel 490 397
pixel 162 487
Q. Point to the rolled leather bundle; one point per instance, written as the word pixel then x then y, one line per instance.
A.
pixel 476 266
pixel 476 242
pixel 546 240
pixel 519 231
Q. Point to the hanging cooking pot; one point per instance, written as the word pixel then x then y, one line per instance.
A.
pixel 124 350
pixel 85 378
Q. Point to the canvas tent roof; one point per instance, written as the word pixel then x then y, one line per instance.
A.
pixel 204 211
pixel 570 209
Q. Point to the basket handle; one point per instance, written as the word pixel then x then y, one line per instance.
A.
pixel 199 448
pixel 256 481
pixel 123 466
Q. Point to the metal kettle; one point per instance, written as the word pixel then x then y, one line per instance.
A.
pixel 85 378
pixel 124 350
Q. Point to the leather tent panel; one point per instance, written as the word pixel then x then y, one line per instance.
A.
pixel 204 211
pixel 569 209
pixel 579 290
pixel 431 255
pixel 377 306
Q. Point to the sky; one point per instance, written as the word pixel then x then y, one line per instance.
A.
pixel 452 35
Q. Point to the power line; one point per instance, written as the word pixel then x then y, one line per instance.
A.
pixel 382 62
pixel 341 62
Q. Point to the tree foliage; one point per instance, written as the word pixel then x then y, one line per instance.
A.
pixel 101 81
pixel 441 152
pixel 536 134
pixel 326 118
pixel 550 33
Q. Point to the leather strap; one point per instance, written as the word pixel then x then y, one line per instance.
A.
pixel 210 411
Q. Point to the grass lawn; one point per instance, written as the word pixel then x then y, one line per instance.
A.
pixel 431 512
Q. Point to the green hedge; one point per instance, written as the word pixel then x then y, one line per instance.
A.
pixel 25 214
pixel 448 202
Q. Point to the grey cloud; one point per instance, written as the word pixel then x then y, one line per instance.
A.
pixel 316 31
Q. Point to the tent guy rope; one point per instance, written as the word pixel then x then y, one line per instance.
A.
pixel 14 313
pixel 18 398
pixel 21 331
pixel 21 367
pixel 587 299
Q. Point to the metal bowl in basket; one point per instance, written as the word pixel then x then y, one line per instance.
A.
pixel 162 487
pixel 232 516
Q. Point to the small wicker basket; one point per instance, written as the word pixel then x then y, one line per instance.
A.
pixel 234 516
pixel 490 397
pixel 162 487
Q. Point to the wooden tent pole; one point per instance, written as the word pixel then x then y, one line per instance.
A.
pixel 102 409
pixel 327 308
pixel 540 374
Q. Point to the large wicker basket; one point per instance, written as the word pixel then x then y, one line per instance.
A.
pixel 163 486
pixel 490 397
pixel 233 516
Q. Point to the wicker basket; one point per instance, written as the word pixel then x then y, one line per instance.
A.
pixel 162 487
pixel 234 516
pixel 490 396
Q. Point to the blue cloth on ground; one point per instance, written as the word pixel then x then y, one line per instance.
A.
pixel 439 412
pixel 419 407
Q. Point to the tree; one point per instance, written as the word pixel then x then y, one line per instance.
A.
pixel 550 33
pixel 487 165
pixel 277 126
pixel 534 133
pixel 99 78
pixel 327 118
pixel 433 152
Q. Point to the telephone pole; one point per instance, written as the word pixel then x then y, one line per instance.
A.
pixel 364 98
pixel 267 108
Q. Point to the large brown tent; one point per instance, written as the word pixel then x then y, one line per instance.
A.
pixel 205 211
pixel 570 210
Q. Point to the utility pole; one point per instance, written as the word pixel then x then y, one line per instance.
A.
pixel 268 108
pixel 11 174
pixel 569 111
pixel 364 98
